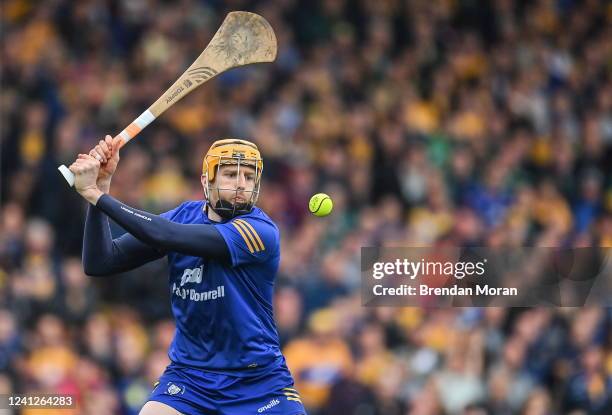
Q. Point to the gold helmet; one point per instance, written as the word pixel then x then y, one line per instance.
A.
pixel 231 152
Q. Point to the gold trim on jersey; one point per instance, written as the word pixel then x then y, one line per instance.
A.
pixel 244 236
pixel 292 394
pixel 254 236
pixel 259 241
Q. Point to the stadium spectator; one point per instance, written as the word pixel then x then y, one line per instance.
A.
pixel 438 123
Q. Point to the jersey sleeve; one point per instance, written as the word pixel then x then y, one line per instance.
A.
pixel 249 240
pixel 203 240
pixel 172 213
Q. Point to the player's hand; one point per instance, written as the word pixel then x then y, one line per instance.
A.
pixel 85 169
pixel 107 153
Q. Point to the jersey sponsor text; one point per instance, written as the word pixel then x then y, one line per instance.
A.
pixel 194 295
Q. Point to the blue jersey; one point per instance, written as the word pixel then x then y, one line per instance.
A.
pixel 225 354
pixel 223 312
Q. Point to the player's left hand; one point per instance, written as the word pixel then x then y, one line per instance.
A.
pixel 85 169
pixel 107 153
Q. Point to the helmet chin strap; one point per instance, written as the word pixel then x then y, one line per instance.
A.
pixel 226 209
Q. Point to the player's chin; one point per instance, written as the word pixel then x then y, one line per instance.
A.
pixel 239 204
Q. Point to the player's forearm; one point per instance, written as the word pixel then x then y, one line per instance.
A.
pixel 104 185
pixel 91 194
pixel 97 244
pixel 197 240
pixel 103 255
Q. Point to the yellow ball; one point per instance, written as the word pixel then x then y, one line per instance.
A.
pixel 320 204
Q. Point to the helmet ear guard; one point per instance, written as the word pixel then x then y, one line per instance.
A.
pixel 235 152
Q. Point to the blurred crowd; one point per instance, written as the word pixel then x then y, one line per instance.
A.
pixel 437 122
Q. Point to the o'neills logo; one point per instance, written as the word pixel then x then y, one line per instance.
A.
pixel 174 94
pixel 272 403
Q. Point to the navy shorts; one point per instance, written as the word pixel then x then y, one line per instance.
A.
pixel 193 391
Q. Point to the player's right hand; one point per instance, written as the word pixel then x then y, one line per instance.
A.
pixel 85 169
pixel 107 153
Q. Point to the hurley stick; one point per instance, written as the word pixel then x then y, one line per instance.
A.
pixel 242 39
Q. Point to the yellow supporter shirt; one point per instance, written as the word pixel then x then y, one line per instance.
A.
pixel 315 366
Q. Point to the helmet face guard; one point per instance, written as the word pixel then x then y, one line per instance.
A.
pixel 239 153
